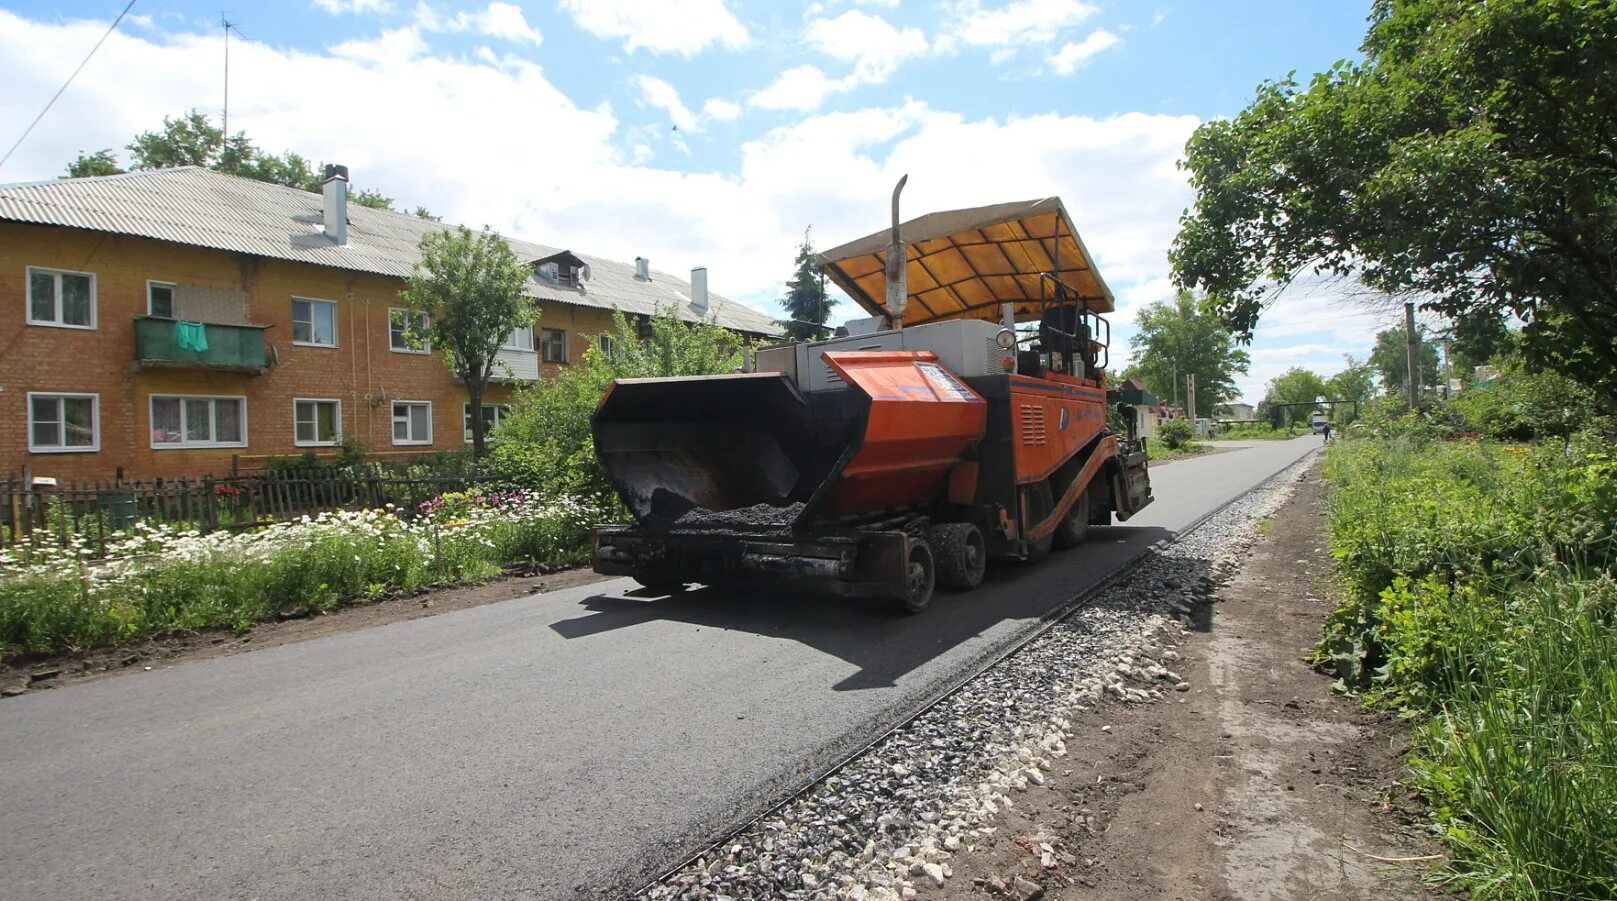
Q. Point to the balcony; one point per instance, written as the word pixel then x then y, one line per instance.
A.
pixel 236 348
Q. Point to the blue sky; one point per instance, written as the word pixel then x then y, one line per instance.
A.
pixel 708 132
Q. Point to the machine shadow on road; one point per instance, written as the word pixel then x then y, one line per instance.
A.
pixel 870 633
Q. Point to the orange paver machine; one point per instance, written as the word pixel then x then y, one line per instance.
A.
pixel 965 421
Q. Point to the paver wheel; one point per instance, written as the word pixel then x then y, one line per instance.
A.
pixel 961 555
pixel 1074 527
pixel 1037 501
pixel 921 578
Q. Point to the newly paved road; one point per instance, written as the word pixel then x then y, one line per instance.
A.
pixel 543 748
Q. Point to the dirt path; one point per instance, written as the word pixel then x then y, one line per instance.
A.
pixel 22 674
pixel 1255 782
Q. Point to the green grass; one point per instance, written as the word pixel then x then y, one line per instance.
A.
pixel 1264 432
pixel 1158 452
pixel 1478 599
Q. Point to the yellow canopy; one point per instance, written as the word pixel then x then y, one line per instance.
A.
pixel 962 264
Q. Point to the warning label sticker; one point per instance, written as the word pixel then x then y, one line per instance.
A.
pixel 944 382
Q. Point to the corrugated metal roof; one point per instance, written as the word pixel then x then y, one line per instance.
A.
pixel 200 207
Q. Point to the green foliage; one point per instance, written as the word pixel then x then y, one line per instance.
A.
pixel 1178 338
pixel 1521 405
pixel 1294 386
pixel 471 286
pixel 193 140
pixel 1390 360
pixel 545 440
pixel 86 165
pixel 1176 433
pixel 1467 160
pixel 806 301
pixel 1254 431
pixel 1356 382
pixel 1477 591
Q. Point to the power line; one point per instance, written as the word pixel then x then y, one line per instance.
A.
pixel 52 102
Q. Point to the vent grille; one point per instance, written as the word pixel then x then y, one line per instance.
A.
pixel 831 375
pixel 993 355
pixel 1033 433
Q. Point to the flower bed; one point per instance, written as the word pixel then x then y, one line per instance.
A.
pixel 156 579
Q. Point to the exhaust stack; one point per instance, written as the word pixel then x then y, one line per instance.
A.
pixel 335 204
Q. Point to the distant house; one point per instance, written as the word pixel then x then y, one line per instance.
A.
pixel 165 322
pixel 1146 405
pixel 1234 412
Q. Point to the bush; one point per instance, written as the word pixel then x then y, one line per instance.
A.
pixel 545 441
pixel 1477 590
pixel 1523 406
pixel 1176 433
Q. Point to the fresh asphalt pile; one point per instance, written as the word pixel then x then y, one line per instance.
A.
pixel 890 818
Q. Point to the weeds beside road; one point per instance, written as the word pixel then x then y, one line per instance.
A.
pixel 1478 598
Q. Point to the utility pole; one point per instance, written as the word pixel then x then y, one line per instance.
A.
pixel 1190 395
pixel 1176 383
pixel 225 130
pixel 1448 366
pixel 1412 348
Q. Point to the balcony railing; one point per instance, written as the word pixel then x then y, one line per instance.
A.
pixel 239 348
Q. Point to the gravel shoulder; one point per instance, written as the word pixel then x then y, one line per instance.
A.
pixel 1254 782
pixel 23 673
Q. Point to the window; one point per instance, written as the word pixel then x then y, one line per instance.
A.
pixel 160 300
pixel 398 328
pixel 520 339
pixel 314 322
pixel 63 423
pixel 606 345
pixel 552 345
pixel 60 298
pixel 183 421
pixel 412 422
pixel 316 422
pixel 491 419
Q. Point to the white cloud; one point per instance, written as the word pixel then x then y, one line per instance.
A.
pixel 685 27
pixel 662 95
pixel 871 43
pixel 566 175
pixel 497 20
pixel 341 7
pixel 1017 23
pixel 801 88
pixel 721 110
pixel 1072 55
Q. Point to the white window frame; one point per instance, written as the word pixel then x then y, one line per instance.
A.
pixel 336 439
pixel 213 427
pixel 394 420
pixel 336 338
pixel 173 312
pixel 539 345
pixel 488 427
pixel 426 343
pixel 606 343
pixel 28 300
pixel 511 344
pixel 95 423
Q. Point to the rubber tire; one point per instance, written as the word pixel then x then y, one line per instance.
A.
pixel 921 578
pixel 960 553
pixel 660 584
pixel 1038 501
pixel 1074 528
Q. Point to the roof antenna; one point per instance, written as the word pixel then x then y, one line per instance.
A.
pixel 225 130
pixel 898 294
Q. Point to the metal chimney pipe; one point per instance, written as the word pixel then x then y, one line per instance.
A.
pixel 335 195
pixel 898 294
pixel 699 289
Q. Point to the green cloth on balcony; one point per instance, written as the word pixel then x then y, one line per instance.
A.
pixel 191 336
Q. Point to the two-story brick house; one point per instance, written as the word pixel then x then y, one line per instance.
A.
pixel 165 322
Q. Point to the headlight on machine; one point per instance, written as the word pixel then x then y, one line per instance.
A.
pixel 1006 339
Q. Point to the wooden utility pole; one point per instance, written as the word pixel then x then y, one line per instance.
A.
pixel 1190 395
pixel 1412 348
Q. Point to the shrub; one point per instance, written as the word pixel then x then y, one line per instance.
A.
pixel 1176 433
pixel 1521 405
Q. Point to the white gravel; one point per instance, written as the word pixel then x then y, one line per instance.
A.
pixel 891 819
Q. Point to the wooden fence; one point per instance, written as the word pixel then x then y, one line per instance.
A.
pixel 98 510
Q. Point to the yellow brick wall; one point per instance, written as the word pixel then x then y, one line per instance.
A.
pixel 361 371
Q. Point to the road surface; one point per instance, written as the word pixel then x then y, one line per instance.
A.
pixel 547 747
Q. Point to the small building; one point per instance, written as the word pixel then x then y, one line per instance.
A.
pixel 171 321
pixel 1234 412
pixel 1134 393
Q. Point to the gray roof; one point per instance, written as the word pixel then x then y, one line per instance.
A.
pixel 200 207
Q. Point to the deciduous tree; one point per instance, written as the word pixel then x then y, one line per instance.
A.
pixel 1178 337
pixel 1294 386
pixel 1390 359
pixel 1468 160
pixel 470 286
